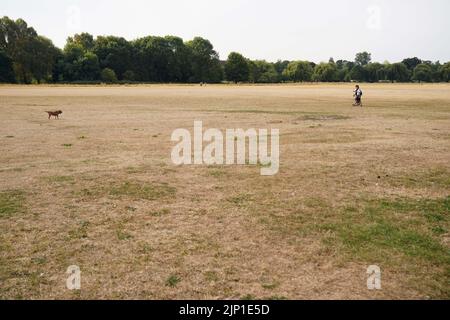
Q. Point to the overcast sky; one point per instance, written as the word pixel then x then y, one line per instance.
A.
pixel 260 29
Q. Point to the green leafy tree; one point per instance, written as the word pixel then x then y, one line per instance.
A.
pixel 236 68
pixel 89 66
pixel 33 56
pixel 344 68
pixel 180 69
pixel 205 62
pixel 436 75
pixel 84 39
pixel 152 59
pixel 411 63
pixel 372 72
pixel 445 72
pixel 280 66
pixel 397 72
pixel 423 73
pixel 358 73
pixel 363 58
pixel 45 56
pixel 79 64
pixel 114 53
pixel 325 72
pixel 299 71
pixel 6 68
pixel 129 76
pixel 261 71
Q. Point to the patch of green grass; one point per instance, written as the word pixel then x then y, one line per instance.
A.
pixel 130 208
pixel 217 173
pixel 241 199
pixel 11 203
pixel 269 286
pixel 80 232
pixel 85 193
pixel 159 213
pixel 254 111
pixel 173 281
pixel 122 235
pixel 323 117
pixel 143 191
pixel 267 165
pixel 39 260
pixel 60 179
pixel 82 138
pixel 314 202
pixel 67 145
pixel 435 177
pixel 384 228
pixel 375 239
pixel 145 248
pixel 277 298
pixel 211 276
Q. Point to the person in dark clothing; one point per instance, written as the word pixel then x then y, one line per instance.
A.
pixel 358 96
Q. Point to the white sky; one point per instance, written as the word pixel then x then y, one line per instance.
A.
pixel 260 29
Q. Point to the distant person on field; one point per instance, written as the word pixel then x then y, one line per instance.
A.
pixel 358 95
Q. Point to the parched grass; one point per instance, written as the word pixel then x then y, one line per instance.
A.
pixel 241 200
pixel 255 111
pixel 11 203
pixel 144 191
pixel 80 231
pixel 323 117
pixel 159 213
pixel 323 218
pixel 60 179
pixel 435 177
pixel 342 137
pixel 122 235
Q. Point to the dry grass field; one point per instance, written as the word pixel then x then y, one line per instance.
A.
pixel 97 189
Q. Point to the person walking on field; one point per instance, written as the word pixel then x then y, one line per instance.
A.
pixel 358 95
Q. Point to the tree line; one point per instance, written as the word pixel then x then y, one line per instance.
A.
pixel 27 57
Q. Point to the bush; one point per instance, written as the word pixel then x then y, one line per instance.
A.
pixel 128 76
pixel 108 75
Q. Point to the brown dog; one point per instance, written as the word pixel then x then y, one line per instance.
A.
pixel 54 114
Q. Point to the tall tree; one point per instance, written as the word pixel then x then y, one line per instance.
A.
pixel 299 71
pixel 326 72
pixel 280 66
pixel 236 68
pixel 79 64
pixel 6 68
pixel 262 71
pixel 411 63
pixel 33 56
pixel 84 39
pixel 398 72
pixel 422 73
pixel 205 62
pixel 114 53
pixel 358 73
pixel 363 58
pixel 180 69
pixel 372 72
pixel 445 72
